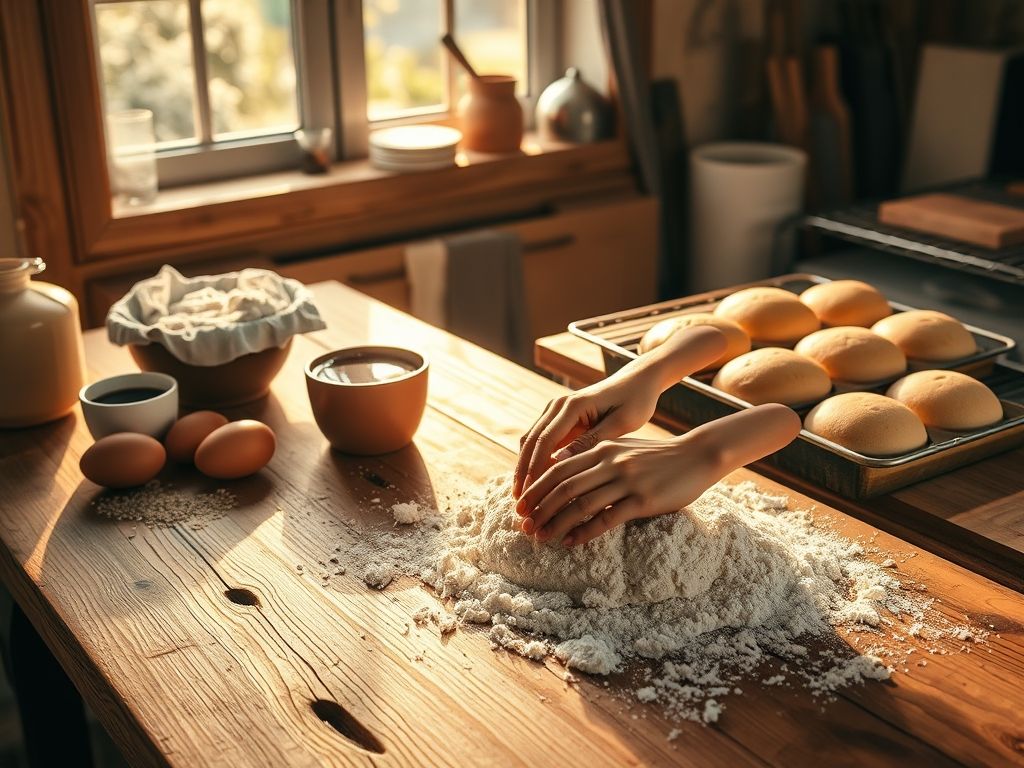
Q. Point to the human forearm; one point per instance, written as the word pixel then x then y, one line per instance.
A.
pixel 741 438
pixel 680 356
pixel 586 495
pixel 615 406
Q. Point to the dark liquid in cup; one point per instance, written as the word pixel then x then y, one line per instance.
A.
pixel 131 395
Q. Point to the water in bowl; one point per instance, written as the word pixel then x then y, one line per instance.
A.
pixel 361 370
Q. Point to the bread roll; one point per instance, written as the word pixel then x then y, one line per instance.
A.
pixel 846 302
pixel 773 375
pixel 769 315
pixel 867 423
pixel 851 353
pixel 736 340
pixel 924 334
pixel 948 400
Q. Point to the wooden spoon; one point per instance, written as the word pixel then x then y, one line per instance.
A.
pixel 449 42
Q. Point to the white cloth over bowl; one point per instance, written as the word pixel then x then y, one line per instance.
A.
pixel 213 319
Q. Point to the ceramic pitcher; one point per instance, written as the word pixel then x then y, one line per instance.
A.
pixel 40 346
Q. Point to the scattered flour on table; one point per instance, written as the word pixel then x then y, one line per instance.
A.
pixel 408 512
pixel 404 549
pixel 703 599
pixel 160 505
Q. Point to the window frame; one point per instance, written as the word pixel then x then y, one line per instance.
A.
pixel 210 160
pixel 329 45
pixel 63 187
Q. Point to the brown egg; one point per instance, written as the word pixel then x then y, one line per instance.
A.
pixel 123 460
pixel 236 450
pixel 188 432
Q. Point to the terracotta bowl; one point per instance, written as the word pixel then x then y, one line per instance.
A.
pixel 243 380
pixel 362 415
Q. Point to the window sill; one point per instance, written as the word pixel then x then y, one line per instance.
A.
pixel 345 173
pixel 354 202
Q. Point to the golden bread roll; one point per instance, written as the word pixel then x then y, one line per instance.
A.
pixel 867 423
pixel 769 315
pixel 773 375
pixel 851 353
pixel 846 302
pixel 924 334
pixel 736 340
pixel 948 400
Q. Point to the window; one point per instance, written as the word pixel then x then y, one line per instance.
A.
pixel 229 81
pixel 409 74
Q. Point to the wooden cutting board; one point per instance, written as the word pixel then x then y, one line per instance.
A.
pixel 977 222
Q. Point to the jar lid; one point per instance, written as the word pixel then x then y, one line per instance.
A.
pixel 16 273
pixel 21 266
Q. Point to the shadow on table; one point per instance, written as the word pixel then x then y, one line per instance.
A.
pixel 51 438
pixel 32 455
pixel 357 494
pixel 899 721
pixel 106 539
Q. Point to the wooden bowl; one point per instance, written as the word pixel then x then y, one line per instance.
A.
pixel 364 413
pixel 242 380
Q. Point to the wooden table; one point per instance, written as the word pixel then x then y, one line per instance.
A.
pixel 211 646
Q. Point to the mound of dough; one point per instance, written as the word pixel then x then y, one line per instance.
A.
pixel 644 561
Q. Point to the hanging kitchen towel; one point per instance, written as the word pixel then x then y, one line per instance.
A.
pixel 486 301
pixel 426 266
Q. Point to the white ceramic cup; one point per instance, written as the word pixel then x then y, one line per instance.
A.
pixel 153 416
pixel 740 192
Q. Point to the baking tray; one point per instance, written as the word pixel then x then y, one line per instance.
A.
pixel 694 401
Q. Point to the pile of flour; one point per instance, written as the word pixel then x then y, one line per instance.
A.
pixel 706 596
pixel 736 561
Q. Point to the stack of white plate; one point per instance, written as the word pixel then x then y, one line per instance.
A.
pixel 414 148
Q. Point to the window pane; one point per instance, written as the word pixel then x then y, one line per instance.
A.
pixel 403 56
pixel 250 67
pixel 145 51
pixel 493 34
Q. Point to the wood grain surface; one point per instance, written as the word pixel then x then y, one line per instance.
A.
pixel 180 674
pixel 979 222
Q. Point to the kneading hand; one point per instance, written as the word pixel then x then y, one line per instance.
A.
pixel 621 403
pixel 581 497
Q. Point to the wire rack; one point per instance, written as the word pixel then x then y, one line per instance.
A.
pixel 859 224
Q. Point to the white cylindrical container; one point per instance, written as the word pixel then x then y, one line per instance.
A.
pixel 740 192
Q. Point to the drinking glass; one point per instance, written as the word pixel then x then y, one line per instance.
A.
pixel 133 178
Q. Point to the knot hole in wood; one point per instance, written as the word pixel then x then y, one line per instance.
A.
pixel 345 723
pixel 242 596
